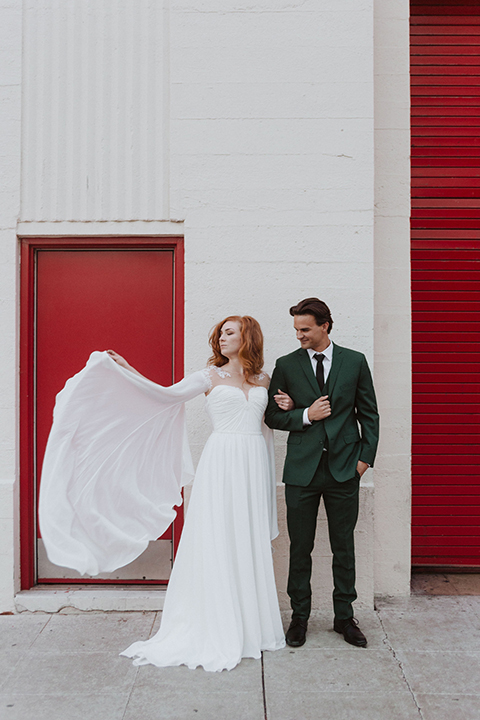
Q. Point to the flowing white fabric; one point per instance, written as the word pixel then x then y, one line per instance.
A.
pixel 116 460
pixel 221 603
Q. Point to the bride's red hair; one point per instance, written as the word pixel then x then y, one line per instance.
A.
pixel 251 349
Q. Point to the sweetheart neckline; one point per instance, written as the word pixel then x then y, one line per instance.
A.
pixel 235 387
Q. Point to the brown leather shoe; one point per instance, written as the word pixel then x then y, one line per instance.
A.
pixel 297 632
pixel 350 631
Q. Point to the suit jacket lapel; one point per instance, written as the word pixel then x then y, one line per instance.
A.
pixel 337 359
pixel 304 360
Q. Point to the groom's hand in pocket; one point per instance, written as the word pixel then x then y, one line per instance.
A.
pixel 362 467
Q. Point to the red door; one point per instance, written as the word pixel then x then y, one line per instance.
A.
pixel 445 67
pixel 91 298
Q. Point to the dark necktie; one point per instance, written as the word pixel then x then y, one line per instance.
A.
pixel 320 376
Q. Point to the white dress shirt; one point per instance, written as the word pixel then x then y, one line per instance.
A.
pixel 327 364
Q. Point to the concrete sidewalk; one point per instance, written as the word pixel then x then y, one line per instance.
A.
pixel 422 661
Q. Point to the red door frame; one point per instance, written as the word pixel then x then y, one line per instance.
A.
pixel 28 251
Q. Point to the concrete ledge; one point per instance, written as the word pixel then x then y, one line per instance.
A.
pixel 56 599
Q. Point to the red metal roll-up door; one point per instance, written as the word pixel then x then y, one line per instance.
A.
pixel 445 70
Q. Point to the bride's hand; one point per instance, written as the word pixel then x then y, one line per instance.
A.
pixel 284 401
pixel 118 359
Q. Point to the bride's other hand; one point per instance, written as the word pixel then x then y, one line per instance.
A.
pixel 284 401
pixel 118 359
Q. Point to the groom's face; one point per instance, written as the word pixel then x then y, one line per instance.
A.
pixel 309 334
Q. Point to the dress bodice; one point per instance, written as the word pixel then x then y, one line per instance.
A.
pixel 232 411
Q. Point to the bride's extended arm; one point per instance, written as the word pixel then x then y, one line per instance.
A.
pixel 181 391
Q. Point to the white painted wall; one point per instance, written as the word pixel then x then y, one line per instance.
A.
pixel 272 170
pixel 392 297
pixel 10 118
pixel 253 122
pixel 272 164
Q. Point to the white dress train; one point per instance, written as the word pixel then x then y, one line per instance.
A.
pixel 221 602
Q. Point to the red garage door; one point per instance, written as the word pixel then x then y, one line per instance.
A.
pixel 445 67
pixel 85 298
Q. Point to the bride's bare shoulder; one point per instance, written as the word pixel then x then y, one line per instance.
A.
pixel 262 379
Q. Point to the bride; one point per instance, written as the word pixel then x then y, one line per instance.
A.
pixel 221 603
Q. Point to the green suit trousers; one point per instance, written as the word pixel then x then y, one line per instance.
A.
pixel 341 505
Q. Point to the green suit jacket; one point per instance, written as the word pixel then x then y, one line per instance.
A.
pixel 350 432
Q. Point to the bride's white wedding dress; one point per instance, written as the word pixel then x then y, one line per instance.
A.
pixel 115 462
pixel 221 602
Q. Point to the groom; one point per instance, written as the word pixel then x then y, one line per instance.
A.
pixel 333 440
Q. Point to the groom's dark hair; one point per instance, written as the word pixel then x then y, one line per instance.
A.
pixel 315 307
